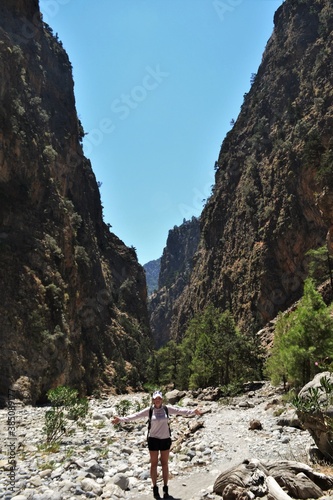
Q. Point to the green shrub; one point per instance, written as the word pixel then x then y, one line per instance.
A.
pixel 49 154
pixel 319 398
pixel 67 410
pixel 123 407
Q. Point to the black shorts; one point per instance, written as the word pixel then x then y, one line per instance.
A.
pixel 155 444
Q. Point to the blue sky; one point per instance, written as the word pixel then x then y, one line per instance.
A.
pixel 157 84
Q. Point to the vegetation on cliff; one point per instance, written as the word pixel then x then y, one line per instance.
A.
pixel 175 270
pixel 73 306
pixel 268 224
pixel 152 270
pixel 271 201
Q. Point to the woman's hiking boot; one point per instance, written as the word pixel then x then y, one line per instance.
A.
pixel 166 492
pixel 155 492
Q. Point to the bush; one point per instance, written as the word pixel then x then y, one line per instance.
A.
pixel 67 410
pixel 314 409
pixel 123 407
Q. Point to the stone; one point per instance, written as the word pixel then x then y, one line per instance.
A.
pixel 45 473
pixel 123 467
pixel 96 470
pixel 66 485
pixel 174 396
pixel 50 495
pixel 122 481
pixel 317 427
pixel 98 416
pixel 112 490
pixel 223 438
pixel 57 472
pixel 127 450
pixel 144 475
pixel 89 484
pixel 255 425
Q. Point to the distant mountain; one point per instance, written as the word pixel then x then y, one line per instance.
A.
pixel 176 267
pixel 152 269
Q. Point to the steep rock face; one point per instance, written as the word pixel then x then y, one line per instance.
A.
pixel 152 270
pixel 73 296
pixel 274 165
pixel 176 266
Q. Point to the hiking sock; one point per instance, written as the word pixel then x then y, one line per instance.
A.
pixel 165 491
pixel 155 492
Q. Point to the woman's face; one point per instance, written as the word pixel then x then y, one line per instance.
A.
pixel 158 402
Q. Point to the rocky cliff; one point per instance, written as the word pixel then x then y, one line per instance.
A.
pixel 73 296
pixel 175 271
pixel 272 199
pixel 152 270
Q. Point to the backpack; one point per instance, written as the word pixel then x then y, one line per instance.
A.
pixel 165 408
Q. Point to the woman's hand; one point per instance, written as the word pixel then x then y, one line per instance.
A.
pixel 116 420
pixel 198 411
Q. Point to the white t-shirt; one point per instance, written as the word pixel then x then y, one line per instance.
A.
pixel 159 421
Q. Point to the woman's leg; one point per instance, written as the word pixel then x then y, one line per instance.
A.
pixel 165 465
pixel 153 466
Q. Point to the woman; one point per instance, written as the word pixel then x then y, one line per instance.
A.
pixel 159 440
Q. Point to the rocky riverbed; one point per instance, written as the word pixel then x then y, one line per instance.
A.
pixel 104 461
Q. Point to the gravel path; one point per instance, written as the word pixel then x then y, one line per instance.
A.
pixel 110 462
pixel 228 425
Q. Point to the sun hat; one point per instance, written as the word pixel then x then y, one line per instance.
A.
pixel 157 394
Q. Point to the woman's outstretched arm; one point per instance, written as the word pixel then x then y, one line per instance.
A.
pixel 129 418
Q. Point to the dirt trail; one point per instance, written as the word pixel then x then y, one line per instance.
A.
pixel 186 487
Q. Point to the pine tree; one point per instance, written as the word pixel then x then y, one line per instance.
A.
pixel 213 352
pixel 302 338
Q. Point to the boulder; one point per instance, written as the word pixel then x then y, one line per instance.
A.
pixel 316 383
pixel 210 394
pixel 319 420
pixel 174 396
pixel 289 419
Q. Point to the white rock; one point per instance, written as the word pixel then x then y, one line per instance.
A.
pixel 89 484
pixel 57 472
pixel 123 467
pixel 50 495
pixel 45 473
pixel 36 481
pixel 66 485
pixel 110 490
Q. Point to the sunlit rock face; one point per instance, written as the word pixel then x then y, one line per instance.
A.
pixel 268 206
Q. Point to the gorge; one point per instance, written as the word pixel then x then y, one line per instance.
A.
pixel 74 306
